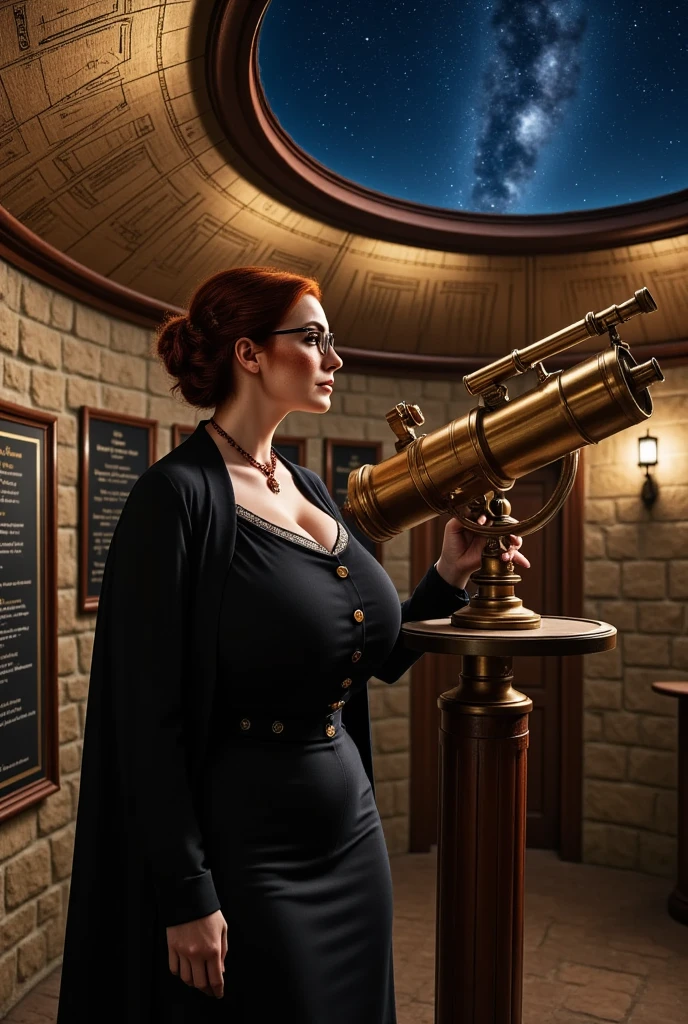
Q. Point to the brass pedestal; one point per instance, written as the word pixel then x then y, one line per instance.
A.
pixel 482 810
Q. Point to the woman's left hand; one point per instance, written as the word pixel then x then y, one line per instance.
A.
pixel 462 551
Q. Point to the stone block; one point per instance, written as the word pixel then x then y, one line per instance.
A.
pixel 356 405
pixel 657 854
pixel 9 331
pixel 27 875
pixel 91 325
pixel 378 430
pixel 17 833
pixel 395 831
pixel 602 694
pixel 83 392
pixel 666 813
pixel 605 665
pixel 639 695
pixel 168 411
pixel 8 977
pixel 390 735
pixel 376 703
pixel 159 381
pixel 592 725
pixel 396 700
pixel 664 540
pixel 61 852
pixel 67 467
pixel 622 614
pixel 55 811
pixel 645 649
pixel 388 387
pixel 384 798
pixel 66 506
pixel 632 510
pixel 66 611
pixel 598 1003
pixel 358 382
pixel 77 687
pixel 31 956
pixel 401 797
pixel 660 617
pixel 391 766
pixel 605 480
pixel 338 425
pixel 39 344
pixel 49 905
pixel 679 652
pixel 653 767
pixel 61 312
pixel 126 370
pixel 67 429
pixel 605 761
pixel 593 537
pixel 436 389
pixel 621 727
pixel 15 927
pixel 602 578
pixel 81 357
pixel 66 655
pixel 645 580
pixel 54 932
pixel 660 733
pixel 69 724
pixel 70 758
pixel 620 803
pixel 622 540
pixel 134 340
pixel 47 389
pixel 85 642
pixel 35 299
pixel 16 376
pixel 131 403
pixel 678 579
pixel 610 845
pixel 66 552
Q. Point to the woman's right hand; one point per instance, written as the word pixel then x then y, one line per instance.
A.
pixel 197 950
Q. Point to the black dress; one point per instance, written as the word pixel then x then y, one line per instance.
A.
pixel 291 829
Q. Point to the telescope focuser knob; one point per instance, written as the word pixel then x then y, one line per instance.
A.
pixel 403 419
pixel 499 507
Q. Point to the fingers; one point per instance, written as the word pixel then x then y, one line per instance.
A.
pixel 512 554
pixel 215 971
pixel 173 960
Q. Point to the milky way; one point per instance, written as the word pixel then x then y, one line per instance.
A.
pixel 534 71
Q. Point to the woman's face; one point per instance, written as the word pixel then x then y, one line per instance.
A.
pixel 297 367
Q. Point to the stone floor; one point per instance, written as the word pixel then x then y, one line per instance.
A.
pixel 599 947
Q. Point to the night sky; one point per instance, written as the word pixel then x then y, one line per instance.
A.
pixel 499 106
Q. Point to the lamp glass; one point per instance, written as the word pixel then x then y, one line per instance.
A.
pixel 647 451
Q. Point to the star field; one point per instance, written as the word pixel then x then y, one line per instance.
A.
pixel 535 106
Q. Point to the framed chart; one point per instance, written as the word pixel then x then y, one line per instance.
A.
pixel 29 765
pixel 341 456
pixel 180 432
pixel 292 448
pixel 115 451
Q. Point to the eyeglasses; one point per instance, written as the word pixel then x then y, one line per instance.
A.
pixel 324 340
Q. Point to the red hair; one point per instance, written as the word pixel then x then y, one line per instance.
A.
pixel 198 349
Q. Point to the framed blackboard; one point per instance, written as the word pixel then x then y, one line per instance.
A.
pixel 29 766
pixel 115 451
pixel 180 432
pixel 292 448
pixel 341 457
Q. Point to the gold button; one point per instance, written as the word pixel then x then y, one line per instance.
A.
pixel 277 726
pixel 337 704
pixel 342 571
pixel 347 683
pixel 245 723
pixel 330 730
pixel 356 655
pixel 358 615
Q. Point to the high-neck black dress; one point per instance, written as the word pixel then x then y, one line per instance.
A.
pixel 291 829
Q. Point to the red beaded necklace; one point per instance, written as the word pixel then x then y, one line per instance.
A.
pixel 268 471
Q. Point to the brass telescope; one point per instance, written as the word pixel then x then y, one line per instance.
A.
pixel 465 467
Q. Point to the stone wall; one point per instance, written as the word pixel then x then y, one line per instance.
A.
pixel 57 354
pixel 636 577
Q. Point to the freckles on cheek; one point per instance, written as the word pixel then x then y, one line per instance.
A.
pixel 297 365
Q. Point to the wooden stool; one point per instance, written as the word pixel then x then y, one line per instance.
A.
pixel 678 899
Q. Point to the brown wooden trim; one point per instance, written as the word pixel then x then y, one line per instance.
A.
pixel 38 790
pixel 299 441
pixel 571 708
pixel 265 154
pixel 89 603
pixel 330 442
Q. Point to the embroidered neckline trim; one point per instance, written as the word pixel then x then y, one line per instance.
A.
pixel 280 531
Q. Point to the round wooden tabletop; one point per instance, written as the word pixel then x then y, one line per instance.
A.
pixel 556 634
pixel 671 689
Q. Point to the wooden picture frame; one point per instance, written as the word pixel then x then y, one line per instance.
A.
pixel 341 457
pixel 180 432
pixel 29 735
pixel 293 448
pixel 103 425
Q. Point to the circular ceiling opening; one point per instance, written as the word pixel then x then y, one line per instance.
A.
pixel 540 107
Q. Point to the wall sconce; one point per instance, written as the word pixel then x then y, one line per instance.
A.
pixel 647 456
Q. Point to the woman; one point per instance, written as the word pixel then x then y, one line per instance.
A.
pixel 229 861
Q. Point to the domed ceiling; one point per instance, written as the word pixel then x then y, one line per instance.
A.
pixel 118 149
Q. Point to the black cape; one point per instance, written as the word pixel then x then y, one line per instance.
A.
pixel 139 862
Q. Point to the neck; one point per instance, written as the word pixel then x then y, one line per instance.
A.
pixel 252 429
